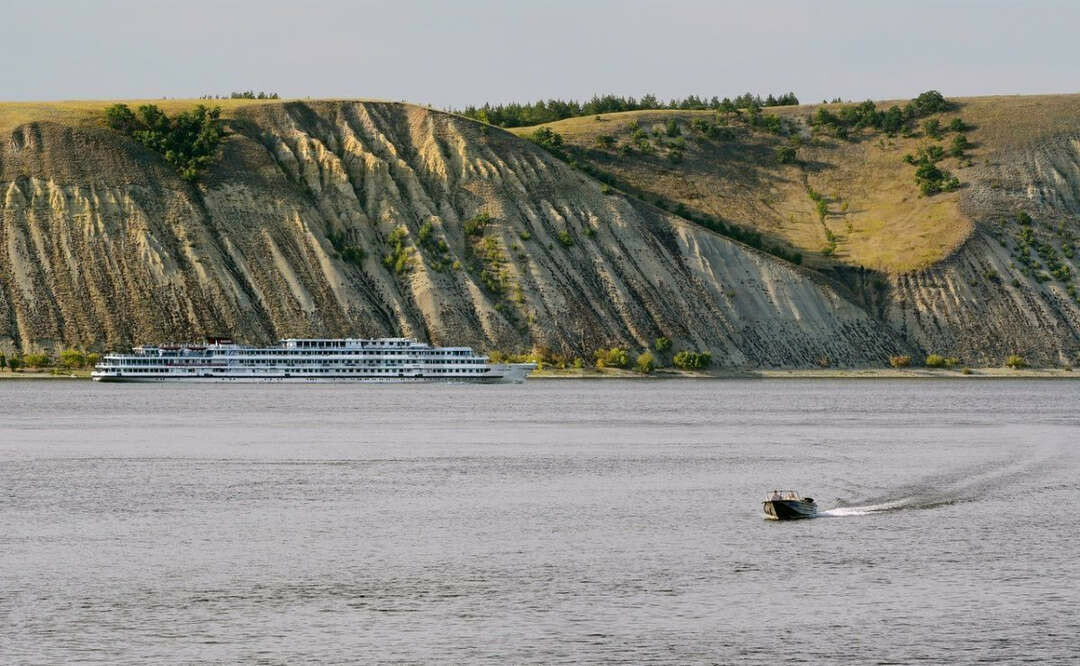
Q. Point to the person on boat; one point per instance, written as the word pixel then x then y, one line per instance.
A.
pixel 775 496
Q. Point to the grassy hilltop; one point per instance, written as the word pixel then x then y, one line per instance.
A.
pixel 876 217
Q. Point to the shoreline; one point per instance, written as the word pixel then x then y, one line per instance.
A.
pixel 724 373
pixel 812 373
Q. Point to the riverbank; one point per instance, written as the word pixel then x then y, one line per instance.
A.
pixel 722 373
pixel 46 374
pixel 813 373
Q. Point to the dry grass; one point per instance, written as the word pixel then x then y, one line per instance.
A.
pixel 82 112
pixel 876 213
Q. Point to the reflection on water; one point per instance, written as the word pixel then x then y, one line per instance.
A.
pixel 550 522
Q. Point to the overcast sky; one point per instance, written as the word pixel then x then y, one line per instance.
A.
pixel 469 51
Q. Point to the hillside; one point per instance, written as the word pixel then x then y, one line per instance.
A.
pixel 945 270
pixel 349 218
pixel 376 218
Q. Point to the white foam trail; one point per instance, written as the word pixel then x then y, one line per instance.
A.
pixel 845 511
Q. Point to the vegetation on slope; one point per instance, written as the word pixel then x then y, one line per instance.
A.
pixel 520 115
pixel 188 141
pixel 747 173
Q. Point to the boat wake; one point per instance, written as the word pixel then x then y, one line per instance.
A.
pixel 944 490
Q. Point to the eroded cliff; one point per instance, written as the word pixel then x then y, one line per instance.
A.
pixel 365 219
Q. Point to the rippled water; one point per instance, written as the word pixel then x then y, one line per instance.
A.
pixel 558 521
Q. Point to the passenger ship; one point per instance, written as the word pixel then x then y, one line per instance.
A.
pixel 306 361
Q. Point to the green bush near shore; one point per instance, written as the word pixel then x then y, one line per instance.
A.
pixel 692 360
pixel 1016 362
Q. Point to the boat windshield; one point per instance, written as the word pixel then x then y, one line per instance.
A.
pixel 777 495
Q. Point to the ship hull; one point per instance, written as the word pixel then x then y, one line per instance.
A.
pixel 788 509
pixel 131 379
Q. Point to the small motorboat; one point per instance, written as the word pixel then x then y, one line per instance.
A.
pixel 788 505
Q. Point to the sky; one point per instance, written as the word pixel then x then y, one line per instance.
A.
pixel 454 53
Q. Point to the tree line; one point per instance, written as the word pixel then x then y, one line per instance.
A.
pixel 516 114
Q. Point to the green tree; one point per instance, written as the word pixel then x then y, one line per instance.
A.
pixel 645 363
pixel 662 344
pixel 932 127
pixel 70 359
pixel 37 360
pixel 3 361
pixel 605 141
pixel 14 363
pixel 935 361
pixel 958 125
pixel 691 360
pixel 959 145
pixel 1015 361
pixel 188 141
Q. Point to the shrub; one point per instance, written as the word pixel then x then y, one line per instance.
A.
pixel 611 358
pixel 1015 361
pixel 671 128
pixel 662 344
pixel 605 141
pixel 71 359
pixel 691 360
pixel 547 138
pixel 578 364
pixel 1023 219
pixel 474 226
pixel 645 364
pixel 188 141
pixel 959 145
pixel 398 259
pixel 92 359
pixel 932 127
pixel 36 360
pixel 958 125
pixel 785 155
pixel 935 361
pixel 565 238
pixel 899 361
pixel 14 363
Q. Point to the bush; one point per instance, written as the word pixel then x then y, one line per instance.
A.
pixel 932 127
pixel 899 361
pixel 605 141
pixel 1023 219
pixel 14 363
pixel 71 359
pixel 662 344
pixel 935 361
pixel 958 125
pixel 565 238
pixel 188 141
pixel 474 226
pixel 1015 361
pixel 645 363
pixel 547 138
pixel 785 155
pixel 959 145
pixel 690 360
pixel 611 358
pixel 36 360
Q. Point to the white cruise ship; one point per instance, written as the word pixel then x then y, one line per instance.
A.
pixel 302 360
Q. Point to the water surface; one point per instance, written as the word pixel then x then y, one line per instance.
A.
pixel 557 521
